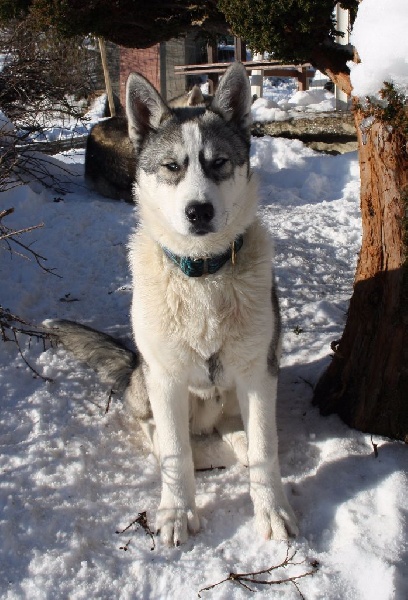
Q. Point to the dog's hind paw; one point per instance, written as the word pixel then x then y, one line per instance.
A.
pixel 174 524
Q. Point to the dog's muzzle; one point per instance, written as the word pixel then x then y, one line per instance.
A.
pixel 200 215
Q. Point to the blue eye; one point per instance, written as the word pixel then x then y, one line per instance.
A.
pixel 172 166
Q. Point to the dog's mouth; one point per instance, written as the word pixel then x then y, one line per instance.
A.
pixel 200 230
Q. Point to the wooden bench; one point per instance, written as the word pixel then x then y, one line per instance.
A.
pixel 265 68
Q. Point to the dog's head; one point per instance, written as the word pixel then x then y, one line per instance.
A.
pixel 193 183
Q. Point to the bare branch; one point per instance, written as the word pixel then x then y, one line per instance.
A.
pixel 140 521
pixel 3 235
pixel 12 325
pixel 26 361
pixel 253 577
pixel 7 234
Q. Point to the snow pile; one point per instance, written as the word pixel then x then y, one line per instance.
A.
pixel 380 36
pixel 266 110
pixel 274 107
pixel 6 126
pixel 313 100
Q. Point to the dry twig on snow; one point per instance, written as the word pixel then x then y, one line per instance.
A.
pixel 140 521
pixel 9 235
pixel 255 577
pixel 10 324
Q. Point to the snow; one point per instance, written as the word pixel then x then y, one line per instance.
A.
pixel 7 129
pixel 73 474
pixel 70 126
pixel 379 34
pixel 6 126
pixel 282 102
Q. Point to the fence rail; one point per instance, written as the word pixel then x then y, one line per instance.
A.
pixel 264 69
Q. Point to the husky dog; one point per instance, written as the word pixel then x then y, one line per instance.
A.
pixel 110 158
pixel 205 314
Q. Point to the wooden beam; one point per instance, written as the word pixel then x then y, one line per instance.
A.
pixel 219 67
pixel 272 68
pixel 268 71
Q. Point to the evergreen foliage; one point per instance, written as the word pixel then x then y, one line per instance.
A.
pixel 131 23
pixel 13 9
pixel 290 29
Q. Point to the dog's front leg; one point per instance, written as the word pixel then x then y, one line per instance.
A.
pixel 177 512
pixel 273 515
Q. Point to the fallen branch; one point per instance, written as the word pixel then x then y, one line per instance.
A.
pixel 243 579
pixel 8 235
pixel 6 212
pixel 28 364
pixel 6 232
pixel 16 324
pixel 111 394
pixel 11 325
pixel 140 521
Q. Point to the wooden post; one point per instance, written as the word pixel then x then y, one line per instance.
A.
pixel 239 49
pixel 303 83
pixel 212 56
pixel 342 25
pixel 163 69
pixel 108 84
pixel 256 78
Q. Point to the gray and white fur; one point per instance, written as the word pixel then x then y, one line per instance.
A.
pixel 110 157
pixel 208 346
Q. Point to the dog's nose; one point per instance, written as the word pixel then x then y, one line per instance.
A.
pixel 200 212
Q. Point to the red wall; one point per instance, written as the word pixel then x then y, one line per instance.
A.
pixel 145 61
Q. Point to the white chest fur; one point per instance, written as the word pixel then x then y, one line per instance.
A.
pixel 189 320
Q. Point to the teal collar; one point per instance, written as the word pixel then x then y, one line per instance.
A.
pixel 196 267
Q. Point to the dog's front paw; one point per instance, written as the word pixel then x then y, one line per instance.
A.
pixel 175 523
pixel 276 524
pixel 275 521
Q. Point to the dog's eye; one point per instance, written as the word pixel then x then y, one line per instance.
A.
pixel 219 162
pixel 172 166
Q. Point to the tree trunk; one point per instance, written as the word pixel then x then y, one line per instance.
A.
pixel 367 380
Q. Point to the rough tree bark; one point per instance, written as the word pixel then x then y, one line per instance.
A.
pixel 367 380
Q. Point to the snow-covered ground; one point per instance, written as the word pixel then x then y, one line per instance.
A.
pixel 73 474
pixel 282 101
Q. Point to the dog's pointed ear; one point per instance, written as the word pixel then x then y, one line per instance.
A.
pixel 145 108
pixel 195 97
pixel 233 97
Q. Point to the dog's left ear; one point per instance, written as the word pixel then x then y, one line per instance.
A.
pixel 145 108
pixel 233 97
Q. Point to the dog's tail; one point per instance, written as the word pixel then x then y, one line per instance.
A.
pixel 113 362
